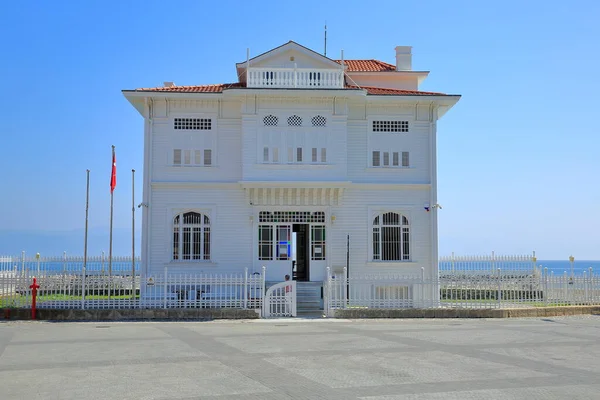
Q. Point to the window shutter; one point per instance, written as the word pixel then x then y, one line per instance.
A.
pixel 405 160
pixel 177 156
pixel 376 160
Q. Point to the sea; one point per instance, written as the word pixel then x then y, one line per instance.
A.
pixel 123 265
pixel 557 267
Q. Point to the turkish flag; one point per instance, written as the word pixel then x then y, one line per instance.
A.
pixel 113 176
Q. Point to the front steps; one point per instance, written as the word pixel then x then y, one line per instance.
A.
pixel 308 297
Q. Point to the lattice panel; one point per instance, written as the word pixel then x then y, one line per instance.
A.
pixel 270 120
pixel 193 123
pixel 292 216
pixel 390 126
pixel 319 120
pixel 294 120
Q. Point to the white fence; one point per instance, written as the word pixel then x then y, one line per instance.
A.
pixel 493 290
pixel 485 264
pixel 515 281
pixel 280 300
pixel 65 284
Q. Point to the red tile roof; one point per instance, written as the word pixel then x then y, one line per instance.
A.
pixel 218 88
pixel 223 86
pixel 398 92
pixel 367 66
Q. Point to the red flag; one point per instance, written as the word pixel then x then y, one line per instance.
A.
pixel 113 176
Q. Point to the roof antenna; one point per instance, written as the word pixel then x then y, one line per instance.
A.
pixel 325 54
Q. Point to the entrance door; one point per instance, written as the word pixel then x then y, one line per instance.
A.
pixel 301 268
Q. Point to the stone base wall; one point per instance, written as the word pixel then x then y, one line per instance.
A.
pixel 131 314
pixel 353 313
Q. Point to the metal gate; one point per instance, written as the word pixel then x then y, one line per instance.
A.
pixel 280 300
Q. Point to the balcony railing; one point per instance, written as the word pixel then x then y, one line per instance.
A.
pixel 295 78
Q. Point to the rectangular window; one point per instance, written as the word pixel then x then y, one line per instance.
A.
pixel 265 242
pixel 197 243
pixel 187 157
pixel 207 157
pixel 317 242
pixel 390 126
pixel 283 242
pixel 275 154
pixel 405 160
pixel 390 243
pixel 207 242
pixel 187 241
pixel 314 154
pixel 405 244
pixel 176 243
pixel 177 156
pixel 376 244
pixel 386 159
pixel 193 123
pixel 290 154
pixel 376 160
pixel 198 157
pixel 323 154
pixel 266 154
pixel 299 154
pixel 395 160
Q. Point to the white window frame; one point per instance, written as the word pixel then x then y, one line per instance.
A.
pixel 180 139
pixel 174 209
pixel 274 229
pixel 289 140
pixel 202 226
pixel 194 160
pixel 372 214
pixel 390 159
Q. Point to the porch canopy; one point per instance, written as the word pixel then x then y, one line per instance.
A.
pixel 269 193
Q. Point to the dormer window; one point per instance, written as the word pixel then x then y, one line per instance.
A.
pixel 294 120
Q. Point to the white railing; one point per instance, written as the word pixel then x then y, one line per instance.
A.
pixel 280 300
pixel 295 78
pixel 493 290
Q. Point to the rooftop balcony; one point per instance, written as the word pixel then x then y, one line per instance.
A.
pixel 301 78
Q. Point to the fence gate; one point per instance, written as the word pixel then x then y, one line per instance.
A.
pixel 280 300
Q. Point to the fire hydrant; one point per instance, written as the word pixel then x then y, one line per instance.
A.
pixel 34 287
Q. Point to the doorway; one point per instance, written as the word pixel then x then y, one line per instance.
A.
pixel 300 266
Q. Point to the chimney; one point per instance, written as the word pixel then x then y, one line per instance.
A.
pixel 403 58
pixel 169 84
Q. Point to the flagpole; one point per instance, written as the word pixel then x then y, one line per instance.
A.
pixel 87 206
pixel 133 234
pixel 112 187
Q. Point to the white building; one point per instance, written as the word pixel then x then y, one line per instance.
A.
pixel 299 156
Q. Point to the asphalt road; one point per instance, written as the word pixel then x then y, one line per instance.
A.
pixel 554 358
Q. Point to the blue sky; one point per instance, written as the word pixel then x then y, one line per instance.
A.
pixel 518 158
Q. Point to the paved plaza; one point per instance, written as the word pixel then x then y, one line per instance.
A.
pixel 554 358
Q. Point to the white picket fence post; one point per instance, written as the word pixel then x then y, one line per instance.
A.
pixel 166 288
pixel 345 288
pixel 83 288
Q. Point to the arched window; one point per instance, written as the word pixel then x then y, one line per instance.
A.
pixel 191 236
pixel 391 237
